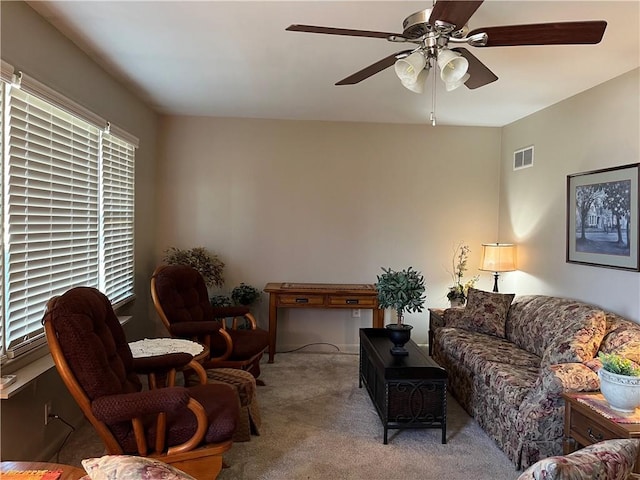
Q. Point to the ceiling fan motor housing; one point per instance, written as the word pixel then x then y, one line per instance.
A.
pixel 417 24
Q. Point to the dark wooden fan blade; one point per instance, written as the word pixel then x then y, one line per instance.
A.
pixel 560 33
pixel 456 12
pixel 479 73
pixel 340 31
pixel 372 69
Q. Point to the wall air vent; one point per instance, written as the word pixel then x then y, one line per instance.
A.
pixel 523 158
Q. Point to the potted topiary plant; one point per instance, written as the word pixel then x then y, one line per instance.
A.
pixel 403 291
pixel 619 382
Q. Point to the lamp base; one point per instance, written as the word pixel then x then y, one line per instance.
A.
pixel 495 281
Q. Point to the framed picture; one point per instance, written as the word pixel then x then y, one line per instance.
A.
pixel 602 217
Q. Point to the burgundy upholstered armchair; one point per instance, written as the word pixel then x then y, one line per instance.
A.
pixel 189 428
pixel 181 299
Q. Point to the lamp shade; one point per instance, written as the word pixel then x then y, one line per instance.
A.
pixel 418 85
pixel 498 257
pixel 453 66
pixel 450 86
pixel 407 69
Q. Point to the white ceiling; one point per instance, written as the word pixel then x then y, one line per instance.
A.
pixel 235 59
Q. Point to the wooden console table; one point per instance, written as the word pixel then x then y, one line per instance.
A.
pixel 319 295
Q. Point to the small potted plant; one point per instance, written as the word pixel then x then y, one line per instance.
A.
pixel 619 382
pixel 404 292
pixel 209 265
pixel 457 294
pixel 244 294
pixel 221 301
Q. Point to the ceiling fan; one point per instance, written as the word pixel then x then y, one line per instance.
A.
pixel 433 30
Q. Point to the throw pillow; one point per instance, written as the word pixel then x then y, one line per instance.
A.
pixel 486 312
pixel 607 460
pixel 126 467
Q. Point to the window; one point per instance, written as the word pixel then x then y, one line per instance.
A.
pixel 67 210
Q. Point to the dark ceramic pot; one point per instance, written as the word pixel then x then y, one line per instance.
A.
pixel 399 335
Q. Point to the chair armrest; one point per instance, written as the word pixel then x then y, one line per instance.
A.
pixel 226 312
pixel 127 406
pixel 223 313
pixel 194 329
pixel 161 363
pixel 202 330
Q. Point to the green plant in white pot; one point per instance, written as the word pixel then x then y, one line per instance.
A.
pixel 619 382
pixel 404 292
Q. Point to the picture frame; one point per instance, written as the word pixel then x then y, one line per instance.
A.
pixel 602 218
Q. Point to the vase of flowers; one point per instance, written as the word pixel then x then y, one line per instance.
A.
pixel 402 291
pixel 457 294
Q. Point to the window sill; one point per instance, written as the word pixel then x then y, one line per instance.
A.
pixel 28 373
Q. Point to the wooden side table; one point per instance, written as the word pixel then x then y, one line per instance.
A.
pixel 436 320
pixel 584 426
pixel 150 347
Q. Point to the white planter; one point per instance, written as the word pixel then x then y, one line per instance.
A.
pixel 621 391
pixel 456 302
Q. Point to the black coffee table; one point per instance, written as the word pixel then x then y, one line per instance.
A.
pixel 409 391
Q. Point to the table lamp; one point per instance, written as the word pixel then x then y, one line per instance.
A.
pixel 496 258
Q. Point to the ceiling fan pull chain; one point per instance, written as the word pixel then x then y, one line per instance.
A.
pixel 432 117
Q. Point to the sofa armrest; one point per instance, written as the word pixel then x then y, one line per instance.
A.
pixel 570 377
pixel 554 380
pixel 453 317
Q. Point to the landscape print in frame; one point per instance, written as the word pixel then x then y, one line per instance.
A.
pixel 602 217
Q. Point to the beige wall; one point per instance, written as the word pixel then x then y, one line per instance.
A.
pixel 294 201
pixel 596 129
pixel 31 44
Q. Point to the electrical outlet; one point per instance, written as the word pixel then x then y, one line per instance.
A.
pixel 48 410
pixel 355 313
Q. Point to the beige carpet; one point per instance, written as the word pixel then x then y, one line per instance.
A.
pixel 317 424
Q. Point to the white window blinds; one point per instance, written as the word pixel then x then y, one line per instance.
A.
pixel 52 200
pixel 67 213
pixel 118 217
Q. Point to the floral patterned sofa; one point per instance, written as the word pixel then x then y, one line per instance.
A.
pixel 509 363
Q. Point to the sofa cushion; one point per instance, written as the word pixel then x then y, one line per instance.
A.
pixel 486 312
pixel 510 383
pixel 607 460
pixel 557 329
pixel 473 349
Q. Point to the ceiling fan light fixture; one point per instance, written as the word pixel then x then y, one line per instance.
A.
pixel 451 86
pixel 418 85
pixel 409 68
pixel 453 66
